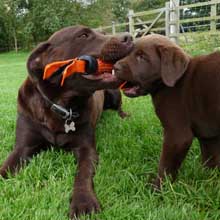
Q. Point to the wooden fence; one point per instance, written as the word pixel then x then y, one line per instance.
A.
pixel 171 20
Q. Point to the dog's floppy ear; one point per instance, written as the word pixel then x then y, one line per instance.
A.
pixel 174 63
pixel 36 60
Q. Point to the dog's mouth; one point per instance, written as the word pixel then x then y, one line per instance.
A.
pixel 111 54
pixel 107 77
pixel 131 89
pixel 98 69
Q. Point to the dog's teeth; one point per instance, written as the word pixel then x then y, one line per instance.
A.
pixel 113 72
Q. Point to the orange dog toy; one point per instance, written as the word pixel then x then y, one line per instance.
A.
pixel 83 65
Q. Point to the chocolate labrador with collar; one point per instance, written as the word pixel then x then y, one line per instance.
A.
pixel 186 96
pixel 42 103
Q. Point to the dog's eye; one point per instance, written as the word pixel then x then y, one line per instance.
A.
pixel 140 56
pixel 84 35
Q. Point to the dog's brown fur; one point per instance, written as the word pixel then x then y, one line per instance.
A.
pixel 38 127
pixel 186 96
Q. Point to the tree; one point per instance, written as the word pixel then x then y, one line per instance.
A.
pixel 10 21
pixel 3 29
pixel 143 5
pixel 45 17
pixel 24 23
pixel 120 9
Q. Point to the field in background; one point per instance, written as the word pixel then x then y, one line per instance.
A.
pixel 129 152
pixel 200 42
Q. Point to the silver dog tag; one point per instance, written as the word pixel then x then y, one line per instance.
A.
pixel 69 126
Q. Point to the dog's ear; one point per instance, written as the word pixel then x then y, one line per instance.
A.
pixel 174 62
pixel 37 59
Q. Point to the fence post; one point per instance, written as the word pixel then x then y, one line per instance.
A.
pixel 167 19
pixel 131 22
pixel 174 20
pixel 213 14
pixel 113 28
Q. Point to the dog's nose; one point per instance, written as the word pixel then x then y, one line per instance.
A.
pixel 126 38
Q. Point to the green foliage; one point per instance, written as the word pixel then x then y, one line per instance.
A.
pixel 8 22
pixel 142 5
pixel 35 20
pixel 120 9
pixel 98 13
pixel 45 17
pixel 3 32
pixel 28 22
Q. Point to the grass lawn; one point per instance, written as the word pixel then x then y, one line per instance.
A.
pixel 129 153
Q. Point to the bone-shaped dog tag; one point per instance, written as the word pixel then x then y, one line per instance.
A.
pixel 70 126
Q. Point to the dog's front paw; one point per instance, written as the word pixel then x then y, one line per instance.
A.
pixel 123 114
pixel 156 184
pixel 83 203
pixel 3 173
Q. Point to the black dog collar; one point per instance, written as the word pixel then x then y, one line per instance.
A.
pixel 58 109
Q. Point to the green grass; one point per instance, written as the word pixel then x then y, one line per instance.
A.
pixel 197 43
pixel 129 152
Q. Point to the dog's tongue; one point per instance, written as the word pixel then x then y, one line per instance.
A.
pixel 131 91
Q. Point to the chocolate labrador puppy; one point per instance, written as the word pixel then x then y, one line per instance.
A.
pixel 43 103
pixel 186 96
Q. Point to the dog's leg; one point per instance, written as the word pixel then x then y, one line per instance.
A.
pixel 28 143
pixel 17 158
pixel 210 149
pixel 84 200
pixel 121 113
pixel 175 148
pixel 113 100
